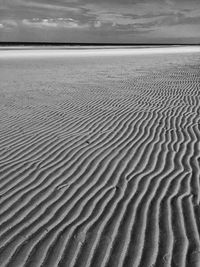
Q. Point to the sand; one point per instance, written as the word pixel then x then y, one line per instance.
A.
pixel 100 159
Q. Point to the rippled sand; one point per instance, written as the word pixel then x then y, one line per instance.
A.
pixel 100 158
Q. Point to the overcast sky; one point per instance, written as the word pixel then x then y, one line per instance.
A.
pixel 121 21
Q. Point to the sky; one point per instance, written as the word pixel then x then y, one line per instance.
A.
pixel 100 21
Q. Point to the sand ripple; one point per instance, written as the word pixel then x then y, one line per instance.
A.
pixel 103 176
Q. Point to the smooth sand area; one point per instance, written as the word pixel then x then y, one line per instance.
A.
pixel 40 52
pixel 100 159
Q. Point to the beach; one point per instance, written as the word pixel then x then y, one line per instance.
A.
pixel 100 157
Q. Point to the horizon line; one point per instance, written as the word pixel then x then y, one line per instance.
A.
pixel 95 44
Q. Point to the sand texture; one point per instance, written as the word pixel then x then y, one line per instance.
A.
pixel 100 161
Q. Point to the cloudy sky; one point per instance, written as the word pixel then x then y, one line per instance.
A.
pixel 121 21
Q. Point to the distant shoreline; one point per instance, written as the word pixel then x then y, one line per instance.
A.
pixel 61 46
pixel 90 44
pixel 72 45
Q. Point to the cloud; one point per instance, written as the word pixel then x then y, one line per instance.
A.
pixel 8 23
pixel 97 24
pixel 45 5
pixel 177 31
pixel 39 23
pixel 53 23
pixel 105 18
pixel 115 12
pixel 115 18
